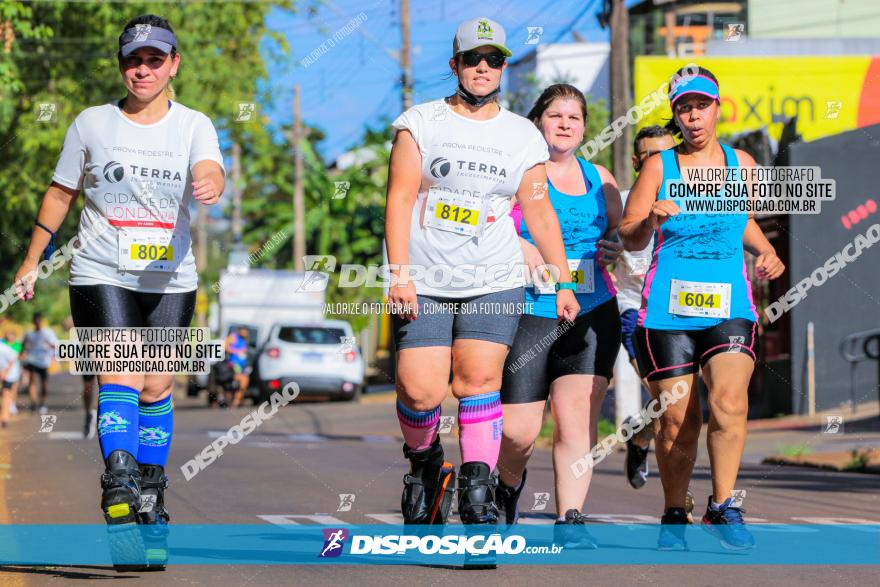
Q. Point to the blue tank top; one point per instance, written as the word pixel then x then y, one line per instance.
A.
pixel 698 268
pixel 583 221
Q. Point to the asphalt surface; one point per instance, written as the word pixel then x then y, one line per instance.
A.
pixel 294 468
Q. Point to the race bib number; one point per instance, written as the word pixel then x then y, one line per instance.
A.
pixel 148 250
pixel 581 275
pixel 694 298
pixel 458 213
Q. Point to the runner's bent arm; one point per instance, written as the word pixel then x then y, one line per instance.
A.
pixel 208 181
pixel 541 220
pixel 768 264
pixel 54 208
pixel 644 213
pixel 404 180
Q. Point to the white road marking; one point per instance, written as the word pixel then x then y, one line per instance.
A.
pixel 66 435
pixel 797 524
pixel 287 519
pixel 831 521
pixel 387 518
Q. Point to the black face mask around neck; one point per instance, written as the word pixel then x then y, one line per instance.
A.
pixel 476 100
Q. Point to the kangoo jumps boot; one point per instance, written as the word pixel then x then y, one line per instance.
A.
pixel 153 516
pixel 476 494
pixel 477 509
pixel 428 487
pixel 120 502
pixel 121 488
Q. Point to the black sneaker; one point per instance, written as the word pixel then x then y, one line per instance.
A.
pixel 507 500
pixel 572 532
pixel 727 525
pixel 636 464
pixel 672 528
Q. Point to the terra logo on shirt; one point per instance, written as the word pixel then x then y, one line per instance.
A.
pixel 114 172
pixel 440 167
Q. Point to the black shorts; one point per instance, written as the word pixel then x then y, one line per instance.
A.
pixel 110 306
pixel 540 354
pixel 43 372
pixel 662 354
pixel 628 320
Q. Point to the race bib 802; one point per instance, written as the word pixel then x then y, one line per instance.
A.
pixel 148 250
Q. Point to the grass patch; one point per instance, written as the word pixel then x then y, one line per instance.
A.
pixel 793 450
pixel 546 429
pixel 858 460
pixel 606 428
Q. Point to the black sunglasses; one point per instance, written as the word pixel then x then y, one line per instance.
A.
pixel 494 59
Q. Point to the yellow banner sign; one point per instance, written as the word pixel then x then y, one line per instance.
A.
pixel 829 95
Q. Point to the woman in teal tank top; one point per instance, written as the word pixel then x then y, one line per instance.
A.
pixel 571 363
pixel 697 313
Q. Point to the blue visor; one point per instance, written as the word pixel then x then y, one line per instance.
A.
pixel 693 84
pixel 145 35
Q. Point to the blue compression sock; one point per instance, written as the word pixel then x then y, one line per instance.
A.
pixel 156 426
pixel 118 419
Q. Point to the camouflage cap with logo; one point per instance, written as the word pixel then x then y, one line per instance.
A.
pixel 479 32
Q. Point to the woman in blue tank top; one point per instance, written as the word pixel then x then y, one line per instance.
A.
pixel 569 362
pixel 697 313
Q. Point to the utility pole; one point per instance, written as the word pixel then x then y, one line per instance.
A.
pixel 669 23
pixel 236 193
pixel 620 84
pixel 405 64
pixel 299 237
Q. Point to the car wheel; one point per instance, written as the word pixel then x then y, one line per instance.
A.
pixel 262 394
pixel 352 396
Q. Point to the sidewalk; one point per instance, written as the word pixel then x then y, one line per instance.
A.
pixel 863 411
pixel 838 440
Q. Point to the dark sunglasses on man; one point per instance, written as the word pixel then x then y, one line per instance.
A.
pixel 495 59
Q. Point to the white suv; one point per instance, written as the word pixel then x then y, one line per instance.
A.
pixel 322 358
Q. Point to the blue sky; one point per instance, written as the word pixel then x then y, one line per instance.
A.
pixel 356 83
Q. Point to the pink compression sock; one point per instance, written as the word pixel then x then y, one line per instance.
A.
pixel 419 428
pixel 479 420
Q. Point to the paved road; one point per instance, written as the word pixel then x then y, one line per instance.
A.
pixel 293 469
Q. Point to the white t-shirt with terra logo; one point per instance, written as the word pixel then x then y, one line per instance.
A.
pixel 482 160
pixel 137 178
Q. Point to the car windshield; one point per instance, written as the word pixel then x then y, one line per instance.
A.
pixel 311 335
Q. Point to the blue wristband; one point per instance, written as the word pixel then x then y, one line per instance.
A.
pixel 570 286
pixel 50 248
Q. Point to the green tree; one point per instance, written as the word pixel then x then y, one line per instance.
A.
pixel 345 209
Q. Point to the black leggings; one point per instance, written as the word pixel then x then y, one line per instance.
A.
pixel 110 306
